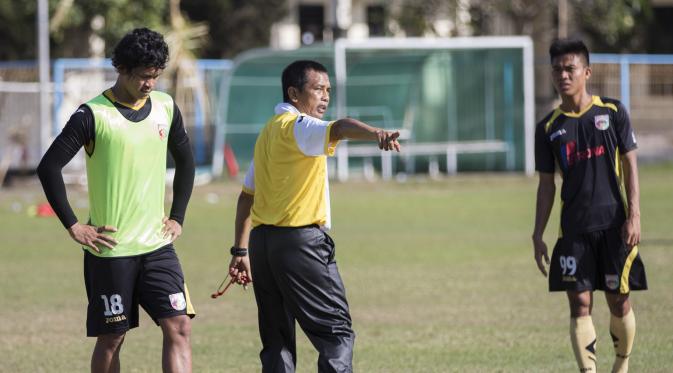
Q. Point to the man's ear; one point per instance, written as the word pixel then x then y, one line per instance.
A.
pixel 588 72
pixel 123 70
pixel 292 92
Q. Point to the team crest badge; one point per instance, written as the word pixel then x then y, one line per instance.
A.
pixel 612 282
pixel 178 301
pixel 163 130
pixel 602 122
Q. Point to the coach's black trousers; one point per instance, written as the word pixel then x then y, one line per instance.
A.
pixel 296 278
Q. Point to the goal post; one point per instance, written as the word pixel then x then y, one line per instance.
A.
pixel 441 92
pixel 524 43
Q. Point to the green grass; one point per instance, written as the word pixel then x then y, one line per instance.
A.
pixel 439 274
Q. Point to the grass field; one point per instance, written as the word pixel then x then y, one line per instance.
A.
pixel 439 275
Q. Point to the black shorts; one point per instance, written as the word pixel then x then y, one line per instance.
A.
pixel 598 260
pixel 116 286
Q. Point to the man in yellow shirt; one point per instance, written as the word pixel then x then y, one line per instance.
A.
pixel 285 200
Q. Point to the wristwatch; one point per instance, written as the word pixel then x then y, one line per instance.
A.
pixel 238 251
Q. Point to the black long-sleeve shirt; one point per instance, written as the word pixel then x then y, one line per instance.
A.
pixel 80 132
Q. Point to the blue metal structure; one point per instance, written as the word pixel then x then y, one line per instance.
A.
pixel 625 61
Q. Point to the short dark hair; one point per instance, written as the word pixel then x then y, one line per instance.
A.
pixel 141 47
pixel 295 75
pixel 569 46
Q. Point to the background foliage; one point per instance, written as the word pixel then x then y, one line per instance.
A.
pixel 237 25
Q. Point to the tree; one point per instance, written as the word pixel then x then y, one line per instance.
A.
pixel 184 40
pixel 417 18
pixel 121 16
pixel 235 25
pixel 607 25
pixel 18 30
pixel 71 24
pixel 614 26
pixel 523 16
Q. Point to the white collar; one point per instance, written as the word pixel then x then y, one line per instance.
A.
pixel 284 107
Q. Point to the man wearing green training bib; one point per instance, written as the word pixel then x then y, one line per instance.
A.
pixel 129 259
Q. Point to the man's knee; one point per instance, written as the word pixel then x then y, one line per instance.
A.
pixel 110 342
pixel 618 303
pixel 580 303
pixel 176 328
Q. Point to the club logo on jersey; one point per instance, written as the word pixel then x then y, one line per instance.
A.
pixel 556 134
pixel 612 281
pixel 602 122
pixel 178 301
pixel 163 130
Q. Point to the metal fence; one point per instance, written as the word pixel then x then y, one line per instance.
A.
pixel 76 81
pixel 19 116
pixel 644 83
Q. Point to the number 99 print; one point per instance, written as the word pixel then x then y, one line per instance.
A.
pixel 568 268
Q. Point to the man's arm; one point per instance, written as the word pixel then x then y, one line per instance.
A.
pixel 545 201
pixel 631 229
pixel 183 181
pixel 239 267
pixel 243 222
pixel 79 131
pixel 626 141
pixel 348 128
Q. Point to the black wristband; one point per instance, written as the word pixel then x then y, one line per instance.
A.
pixel 238 251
